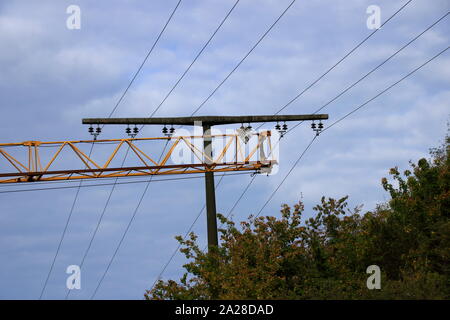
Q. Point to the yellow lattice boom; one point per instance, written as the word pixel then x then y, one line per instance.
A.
pixel 24 162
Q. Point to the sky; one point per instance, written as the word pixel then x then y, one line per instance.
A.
pixel 52 76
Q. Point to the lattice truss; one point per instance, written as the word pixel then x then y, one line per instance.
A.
pixel 65 160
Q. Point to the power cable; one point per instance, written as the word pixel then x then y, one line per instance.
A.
pixel 388 88
pixel 340 60
pixel 231 72
pixel 119 183
pixel 243 59
pixel 185 236
pixel 376 68
pixel 162 102
pixel 111 113
pixel 126 229
pixel 195 59
pixel 342 118
pixel 286 176
pixel 357 82
pixel 145 59
pixel 281 109
pixel 329 70
pixel 63 233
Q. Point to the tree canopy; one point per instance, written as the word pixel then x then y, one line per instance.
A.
pixel 326 256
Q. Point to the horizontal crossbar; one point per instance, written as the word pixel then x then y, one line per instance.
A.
pixel 205 120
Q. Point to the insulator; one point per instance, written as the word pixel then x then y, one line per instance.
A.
pixel 91 130
pixel 320 125
pixel 313 125
pixel 278 127
pixel 172 130
pixel 164 130
pixel 135 130
pixel 285 127
pixel 249 127
pixel 128 130
pixel 98 130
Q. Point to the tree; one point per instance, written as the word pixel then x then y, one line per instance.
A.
pixel 325 257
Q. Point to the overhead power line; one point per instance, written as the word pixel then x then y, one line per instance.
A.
pixel 376 68
pixel 66 182
pixel 357 82
pixel 286 176
pixel 185 236
pixel 342 118
pixel 152 114
pixel 125 232
pixel 334 123
pixel 97 227
pixel 387 89
pixel 110 114
pixel 145 59
pixel 340 60
pixel 66 225
pixel 243 58
pixel 215 90
pixel 119 183
pixel 195 59
pixel 281 109
pixel 162 102
pixel 328 71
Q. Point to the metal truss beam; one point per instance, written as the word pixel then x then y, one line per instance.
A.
pixel 32 169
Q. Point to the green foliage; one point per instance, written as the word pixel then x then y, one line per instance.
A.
pixel 325 257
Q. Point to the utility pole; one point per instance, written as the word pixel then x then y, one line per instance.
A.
pixel 210 192
pixel 207 122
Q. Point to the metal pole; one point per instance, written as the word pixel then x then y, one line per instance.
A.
pixel 211 218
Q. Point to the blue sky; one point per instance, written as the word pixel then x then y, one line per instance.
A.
pixel 52 77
